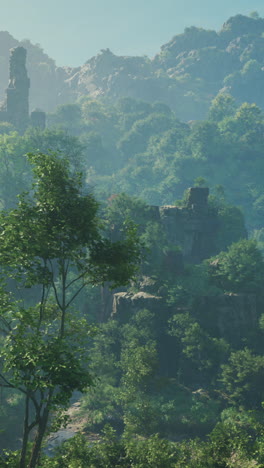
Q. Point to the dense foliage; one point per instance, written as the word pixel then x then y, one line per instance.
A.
pixel 144 151
pixel 174 384
pixel 52 247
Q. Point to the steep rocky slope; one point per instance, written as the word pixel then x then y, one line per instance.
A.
pixel 187 73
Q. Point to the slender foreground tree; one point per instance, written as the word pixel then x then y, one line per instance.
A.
pixel 51 245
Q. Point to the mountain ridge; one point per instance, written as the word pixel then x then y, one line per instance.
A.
pixel 187 73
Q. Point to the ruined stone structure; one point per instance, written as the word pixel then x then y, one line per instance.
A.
pixel 192 228
pixel 17 93
pixel 15 110
pixel 38 119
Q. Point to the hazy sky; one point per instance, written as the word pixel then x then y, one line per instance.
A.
pixel 72 31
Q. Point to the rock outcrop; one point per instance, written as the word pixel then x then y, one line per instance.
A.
pixel 235 316
pixel 192 229
pixel 191 69
pixel 15 109
pixel 125 304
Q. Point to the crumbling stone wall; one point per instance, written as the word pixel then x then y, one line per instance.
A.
pixel 192 228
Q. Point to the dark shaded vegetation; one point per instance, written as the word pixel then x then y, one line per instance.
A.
pixel 174 369
pixel 52 247
pixel 174 376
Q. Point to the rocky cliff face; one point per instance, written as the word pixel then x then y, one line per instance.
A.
pixel 235 315
pixel 125 304
pixel 193 230
pixel 187 73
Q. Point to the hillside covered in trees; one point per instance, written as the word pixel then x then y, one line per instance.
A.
pixel 187 73
pixel 131 258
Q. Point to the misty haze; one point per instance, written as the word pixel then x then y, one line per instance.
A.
pixel 132 236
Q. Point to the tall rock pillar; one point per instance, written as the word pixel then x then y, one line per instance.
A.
pixel 17 93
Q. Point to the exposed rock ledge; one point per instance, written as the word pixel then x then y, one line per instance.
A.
pixel 125 304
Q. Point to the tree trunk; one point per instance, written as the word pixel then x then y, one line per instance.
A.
pixel 25 435
pixel 36 451
pixel 106 303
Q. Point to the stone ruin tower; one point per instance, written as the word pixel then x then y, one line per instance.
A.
pixel 17 93
pixel 16 107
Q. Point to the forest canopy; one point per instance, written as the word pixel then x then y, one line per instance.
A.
pixel 131 259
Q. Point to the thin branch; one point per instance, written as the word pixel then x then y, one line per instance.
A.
pixel 75 279
pixel 32 425
pixel 56 295
pixel 75 295
pixel 8 384
pixel 35 403
pixel 42 303
pixel 6 323
pixel 46 290
pixel 47 293
pixel 54 286
pixel 51 266
pixel 41 394
pixel 67 267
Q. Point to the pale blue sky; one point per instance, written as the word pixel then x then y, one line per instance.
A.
pixel 72 31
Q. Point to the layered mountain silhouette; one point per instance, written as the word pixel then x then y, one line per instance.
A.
pixel 187 73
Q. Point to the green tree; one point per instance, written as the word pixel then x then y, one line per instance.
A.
pixel 68 117
pixel 139 364
pixel 239 269
pixel 223 105
pixel 200 353
pixel 52 244
pixel 15 170
pixel 205 141
pixel 243 380
pixel 136 140
pixel 254 14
